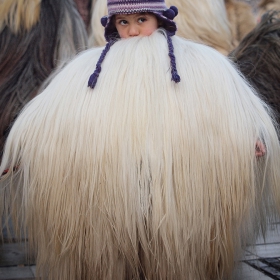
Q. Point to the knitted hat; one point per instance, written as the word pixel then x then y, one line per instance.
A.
pixel 164 15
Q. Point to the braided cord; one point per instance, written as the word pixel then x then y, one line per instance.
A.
pixel 175 77
pixel 93 78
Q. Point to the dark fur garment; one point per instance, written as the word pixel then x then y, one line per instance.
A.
pixel 28 57
pixel 258 58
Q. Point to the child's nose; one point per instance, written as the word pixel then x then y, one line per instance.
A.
pixel 133 30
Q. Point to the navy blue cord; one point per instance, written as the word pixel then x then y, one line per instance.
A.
pixel 93 78
pixel 175 77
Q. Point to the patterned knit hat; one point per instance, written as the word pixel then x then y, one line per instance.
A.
pixel 164 15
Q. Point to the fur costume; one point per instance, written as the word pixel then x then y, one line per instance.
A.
pixel 84 8
pixel 140 177
pixel 267 5
pixel 253 3
pixel 35 38
pixel 241 18
pixel 258 58
pixel 203 21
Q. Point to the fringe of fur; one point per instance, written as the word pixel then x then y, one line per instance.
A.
pixel 28 58
pixel 264 3
pixel 142 178
pixel 84 7
pixel 19 15
pixel 258 58
pixel 268 5
pixel 72 36
pixel 241 18
pixel 96 31
pixel 203 21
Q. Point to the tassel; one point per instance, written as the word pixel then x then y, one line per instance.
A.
pixel 93 78
pixel 175 77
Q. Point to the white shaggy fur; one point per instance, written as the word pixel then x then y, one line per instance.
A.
pixel 142 178
pixel 96 30
pixel 203 21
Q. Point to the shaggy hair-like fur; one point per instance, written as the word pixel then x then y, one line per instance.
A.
pixel 268 5
pixel 29 55
pixel 19 15
pixel 241 18
pixel 142 178
pixel 96 31
pixel 258 58
pixel 84 7
pixel 203 21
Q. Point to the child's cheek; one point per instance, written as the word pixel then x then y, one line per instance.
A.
pixel 122 33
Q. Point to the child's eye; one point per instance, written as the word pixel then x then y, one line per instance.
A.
pixel 123 22
pixel 142 19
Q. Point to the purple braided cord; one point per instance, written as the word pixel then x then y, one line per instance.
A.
pixel 93 78
pixel 175 77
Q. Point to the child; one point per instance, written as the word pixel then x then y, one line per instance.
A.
pixel 135 18
pixel 139 24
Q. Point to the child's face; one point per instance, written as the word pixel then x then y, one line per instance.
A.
pixel 141 24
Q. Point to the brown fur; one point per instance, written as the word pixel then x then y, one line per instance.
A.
pixel 84 8
pixel 241 18
pixel 267 5
pixel 258 58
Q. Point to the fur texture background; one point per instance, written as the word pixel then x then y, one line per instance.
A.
pixel 96 34
pixel 267 5
pixel 203 21
pixel 258 58
pixel 35 38
pixel 84 7
pixel 142 178
pixel 241 18
pixel 19 15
